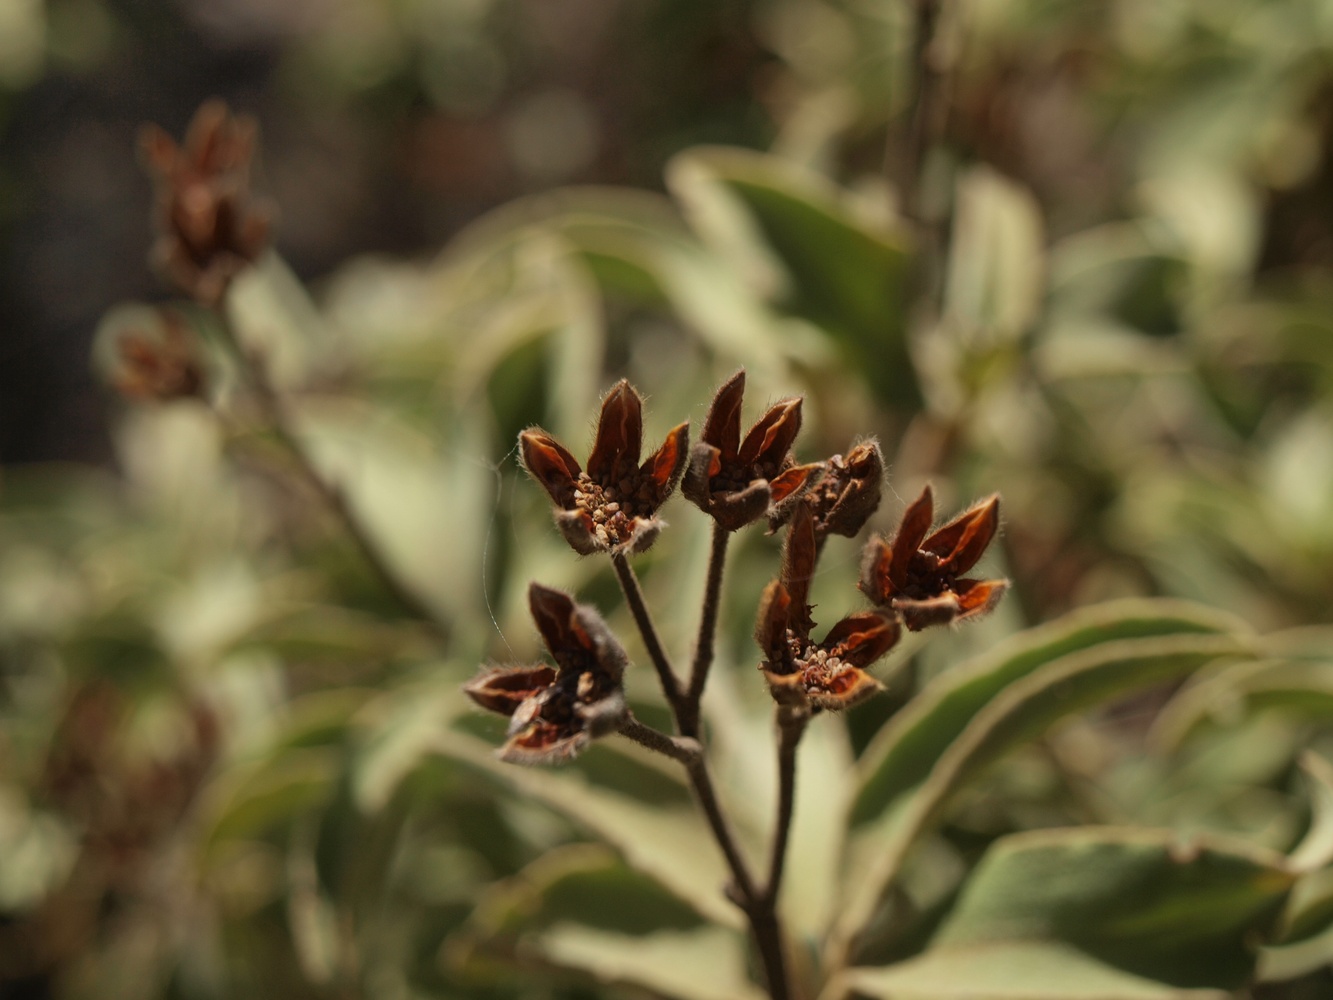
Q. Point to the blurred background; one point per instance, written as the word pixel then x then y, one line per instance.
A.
pixel 1077 253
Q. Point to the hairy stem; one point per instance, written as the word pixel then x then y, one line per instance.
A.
pixel 703 647
pixel 629 584
pixel 686 751
pixel 274 411
pixel 791 726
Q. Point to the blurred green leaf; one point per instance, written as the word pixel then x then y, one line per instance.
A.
pixel 251 801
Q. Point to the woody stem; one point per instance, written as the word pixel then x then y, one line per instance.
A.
pixel 791 726
pixel 686 751
pixel 274 410
pixel 703 648
pixel 629 584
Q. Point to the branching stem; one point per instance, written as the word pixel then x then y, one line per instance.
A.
pixel 683 749
pixel 791 726
pixel 629 585
pixel 703 647
pixel 274 411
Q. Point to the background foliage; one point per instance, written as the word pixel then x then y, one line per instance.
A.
pixel 229 764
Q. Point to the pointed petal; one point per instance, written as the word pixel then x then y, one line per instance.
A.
pixel 735 510
pixel 553 611
pixel 644 533
pixel 919 615
pixel 770 627
pixel 794 481
pixel 503 689
pixel 664 466
pixel 786 689
pixel 862 639
pixel 705 462
pixel 798 567
pixel 771 438
pixel 722 429
pixel 961 542
pixel 619 435
pixel 913 528
pixel 978 597
pixel 548 462
pixel 875 561
pixel 577 527
pixel 838 690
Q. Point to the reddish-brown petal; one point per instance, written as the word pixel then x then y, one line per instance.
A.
pixel 771 438
pixel 977 597
pixel 548 462
pixel 919 615
pixel 664 466
pixel 798 567
pixel 577 527
pixel 770 627
pixel 503 689
pixel 734 511
pixel 722 429
pixel 615 454
pixel 838 690
pixel 793 481
pixel 962 541
pixel 913 528
pixel 860 483
pixel 786 688
pixel 553 611
pixel 544 742
pixel 863 638
pixel 875 561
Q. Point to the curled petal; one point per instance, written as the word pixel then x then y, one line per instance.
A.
pixel 961 542
pixel 875 562
pixel 978 597
pixel 644 533
pixel 771 438
pixel 722 429
pixel 550 463
pixel 798 567
pixel 839 689
pixel 792 482
pixel 857 485
pixel 665 466
pixel 577 527
pixel 504 689
pixel 915 524
pixel 770 628
pixel 576 635
pixel 705 462
pixel 923 614
pixel 544 742
pixel 735 510
pixel 615 454
pixel 786 688
pixel 605 715
pixel 862 639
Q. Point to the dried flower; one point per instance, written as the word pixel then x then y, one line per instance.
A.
pixel 919 576
pixel 736 482
pixel 845 495
pixel 611 506
pixel 161 366
pixel 555 712
pixel 208 227
pixel 825 675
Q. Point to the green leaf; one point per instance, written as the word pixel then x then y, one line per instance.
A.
pixel 1023 710
pixel 1315 850
pixel 1011 970
pixel 250 801
pixel 1309 909
pixel 1182 909
pixel 704 964
pixel 908 747
pixel 671 845
pixel 799 240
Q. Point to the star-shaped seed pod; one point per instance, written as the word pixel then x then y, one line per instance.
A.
pixel 920 577
pixel 845 495
pixel 736 482
pixel 555 712
pixel 612 505
pixel 822 675
pixel 209 228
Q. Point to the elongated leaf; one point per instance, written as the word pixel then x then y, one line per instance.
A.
pixel 253 801
pixel 906 749
pixel 1010 970
pixel 1309 909
pixel 1225 695
pixel 672 845
pixel 1315 851
pixel 1023 710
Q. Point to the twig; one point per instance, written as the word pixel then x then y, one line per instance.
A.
pixel 629 584
pixel 703 648
pixel 275 414
pixel 929 105
pixel 686 751
pixel 791 726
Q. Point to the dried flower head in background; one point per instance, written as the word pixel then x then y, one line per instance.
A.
pixel 736 482
pixel 612 506
pixel 209 228
pixel 555 713
pixel 161 365
pixel 919 577
pixel 825 675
